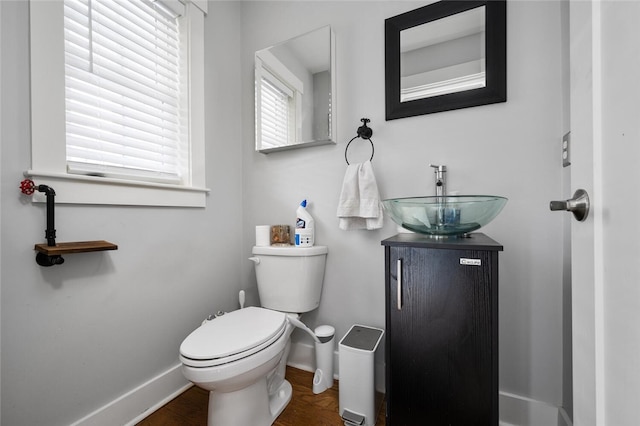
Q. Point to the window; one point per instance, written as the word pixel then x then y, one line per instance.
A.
pixel 117 105
pixel 122 90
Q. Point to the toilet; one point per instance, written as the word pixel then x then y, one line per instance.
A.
pixel 240 357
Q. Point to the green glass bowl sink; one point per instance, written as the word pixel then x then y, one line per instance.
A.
pixel 453 215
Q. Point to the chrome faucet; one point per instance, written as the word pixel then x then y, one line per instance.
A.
pixel 441 193
pixel 441 182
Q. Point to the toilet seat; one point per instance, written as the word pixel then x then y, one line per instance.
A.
pixel 232 336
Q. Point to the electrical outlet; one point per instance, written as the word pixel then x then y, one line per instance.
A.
pixel 566 152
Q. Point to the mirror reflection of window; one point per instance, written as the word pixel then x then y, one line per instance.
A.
pixel 443 56
pixel 294 92
pixel 277 104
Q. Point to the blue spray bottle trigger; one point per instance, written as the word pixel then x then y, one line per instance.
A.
pixel 304 203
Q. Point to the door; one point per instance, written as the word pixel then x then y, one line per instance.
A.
pixel 605 120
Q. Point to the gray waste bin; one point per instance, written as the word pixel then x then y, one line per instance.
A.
pixel 357 353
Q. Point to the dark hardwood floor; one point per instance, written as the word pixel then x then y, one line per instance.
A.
pixel 305 408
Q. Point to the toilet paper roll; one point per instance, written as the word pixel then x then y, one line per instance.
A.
pixel 263 235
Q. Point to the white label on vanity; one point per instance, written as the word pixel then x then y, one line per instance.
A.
pixel 474 262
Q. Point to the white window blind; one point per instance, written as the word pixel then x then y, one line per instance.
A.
pixel 277 109
pixel 122 90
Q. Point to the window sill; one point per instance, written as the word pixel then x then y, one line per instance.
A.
pixel 76 189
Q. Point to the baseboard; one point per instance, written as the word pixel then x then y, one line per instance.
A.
pixel 140 402
pixel 563 418
pixel 517 410
pixel 135 405
pixel 302 356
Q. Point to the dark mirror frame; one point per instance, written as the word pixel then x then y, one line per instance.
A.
pixel 496 59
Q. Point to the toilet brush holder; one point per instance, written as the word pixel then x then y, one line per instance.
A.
pixel 323 377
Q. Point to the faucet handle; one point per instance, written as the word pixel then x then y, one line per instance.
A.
pixel 439 168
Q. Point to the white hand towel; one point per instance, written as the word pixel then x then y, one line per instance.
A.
pixel 359 206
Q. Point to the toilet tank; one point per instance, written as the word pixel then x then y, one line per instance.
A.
pixel 290 278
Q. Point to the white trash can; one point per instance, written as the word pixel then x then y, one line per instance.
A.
pixel 357 351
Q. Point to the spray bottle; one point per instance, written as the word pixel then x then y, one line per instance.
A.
pixel 304 236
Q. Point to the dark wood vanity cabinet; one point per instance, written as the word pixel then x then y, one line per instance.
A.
pixel 441 330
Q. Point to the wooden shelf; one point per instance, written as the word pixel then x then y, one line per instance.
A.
pixel 75 247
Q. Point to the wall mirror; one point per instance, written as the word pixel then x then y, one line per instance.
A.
pixel 444 56
pixel 295 92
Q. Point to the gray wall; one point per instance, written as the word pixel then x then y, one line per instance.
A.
pixel 510 149
pixel 77 336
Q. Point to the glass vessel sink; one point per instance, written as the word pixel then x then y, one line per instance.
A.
pixel 438 216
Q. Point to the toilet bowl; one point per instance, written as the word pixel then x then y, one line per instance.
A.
pixel 240 357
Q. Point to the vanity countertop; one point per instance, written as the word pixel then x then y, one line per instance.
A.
pixel 474 241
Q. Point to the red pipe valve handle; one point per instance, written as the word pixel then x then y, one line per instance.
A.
pixel 27 187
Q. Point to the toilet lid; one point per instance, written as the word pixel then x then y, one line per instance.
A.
pixel 233 336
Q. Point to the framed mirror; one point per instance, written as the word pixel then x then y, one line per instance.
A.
pixel 444 56
pixel 295 92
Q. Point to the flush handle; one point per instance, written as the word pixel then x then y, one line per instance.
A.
pixel 578 205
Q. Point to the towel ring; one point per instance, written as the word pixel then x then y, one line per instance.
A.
pixel 365 133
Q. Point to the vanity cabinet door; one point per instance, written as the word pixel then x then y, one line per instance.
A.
pixel 442 341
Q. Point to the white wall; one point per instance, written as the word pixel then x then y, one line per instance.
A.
pixel 617 208
pixel 77 336
pixel 1 138
pixel 509 149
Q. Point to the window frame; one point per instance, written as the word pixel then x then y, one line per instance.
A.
pixel 48 133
